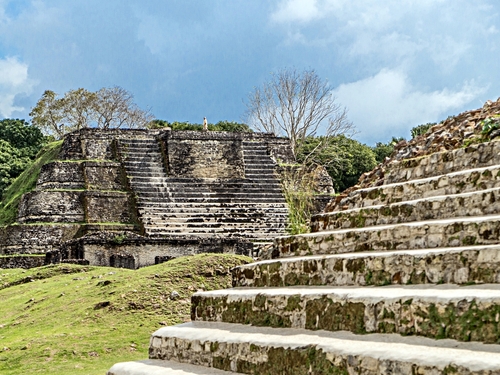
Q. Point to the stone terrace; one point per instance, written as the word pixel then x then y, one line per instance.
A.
pixel 405 279
pixel 215 184
pixel 130 198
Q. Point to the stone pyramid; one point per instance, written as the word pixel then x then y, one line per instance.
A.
pixel 400 276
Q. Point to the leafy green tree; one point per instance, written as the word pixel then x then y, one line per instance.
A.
pixel 421 129
pixel 22 135
pixel 107 108
pixel 12 163
pixel 384 150
pixel 231 126
pixel 48 114
pixel 344 158
pixel 19 145
pixel 227 126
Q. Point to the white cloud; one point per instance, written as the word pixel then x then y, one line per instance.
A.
pixel 14 81
pixel 296 11
pixel 387 104
pixel 387 33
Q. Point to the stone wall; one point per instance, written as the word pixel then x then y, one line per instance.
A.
pixel 51 206
pixel 87 191
pixel 205 158
pixel 20 261
pixel 61 175
pixel 35 238
pixel 103 176
pixel 127 250
pixel 108 207
pixel 216 154
pixel 95 144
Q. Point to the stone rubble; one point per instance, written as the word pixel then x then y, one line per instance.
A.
pixel 453 133
pixel 400 276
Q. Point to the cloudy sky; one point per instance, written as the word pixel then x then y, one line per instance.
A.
pixel 393 63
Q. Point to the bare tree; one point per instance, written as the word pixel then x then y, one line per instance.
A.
pixel 107 108
pixel 115 109
pixel 78 107
pixel 297 105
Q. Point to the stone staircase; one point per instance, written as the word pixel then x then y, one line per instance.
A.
pixel 252 207
pixel 404 280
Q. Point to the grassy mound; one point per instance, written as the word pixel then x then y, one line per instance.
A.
pixel 25 183
pixel 69 319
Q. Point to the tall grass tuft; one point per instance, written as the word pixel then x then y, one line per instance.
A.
pixel 299 195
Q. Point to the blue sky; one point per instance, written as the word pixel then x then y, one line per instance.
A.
pixel 394 63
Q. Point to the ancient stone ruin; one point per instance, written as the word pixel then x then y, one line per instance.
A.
pixel 130 198
pixel 400 276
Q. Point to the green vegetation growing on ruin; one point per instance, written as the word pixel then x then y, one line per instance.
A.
pixel 69 319
pixel 25 183
pixel 221 126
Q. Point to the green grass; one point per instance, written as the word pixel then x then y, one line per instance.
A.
pixel 25 183
pixel 69 319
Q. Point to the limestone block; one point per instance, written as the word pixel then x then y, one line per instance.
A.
pixel 61 175
pixel 103 207
pixel 205 158
pixel 407 310
pixel 18 261
pixel 103 176
pixel 97 147
pixel 450 265
pixel 35 238
pixel 482 230
pixel 51 206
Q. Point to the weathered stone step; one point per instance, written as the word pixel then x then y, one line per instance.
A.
pixel 259 171
pixel 209 184
pixel 259 168
pixel 253 199
pixel 140 152
pixel 200 217
pixel 151 203
pixel 226 226
pixel 213 226
pixel 259 164
pixel 474 156
pixel 208 195
pixel 475 203
pixel 480 230
pixel 157 232
pixel 192 190
pixel 206 189
pixel 450 183
pixel 263 350
pixel 141 166
pixel 253 158
pixel 136 149
pixel 435 311
pixel 146 172
pixel 143 140
pixel 139 144
pixel 230 224
pixel 142 159
pixel 159 367
pixel 193 216
pixel 189 209
pixel 463 266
